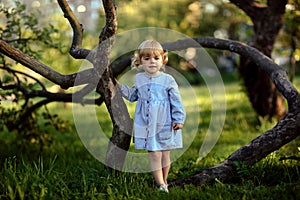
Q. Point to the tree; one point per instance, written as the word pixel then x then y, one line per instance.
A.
pixel 101 78
pixel 267 21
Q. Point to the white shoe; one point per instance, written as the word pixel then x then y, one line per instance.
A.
pixel 163 188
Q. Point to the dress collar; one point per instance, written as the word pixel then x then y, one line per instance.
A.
pixel 154 76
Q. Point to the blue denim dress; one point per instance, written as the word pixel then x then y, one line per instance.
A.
pixel 158 106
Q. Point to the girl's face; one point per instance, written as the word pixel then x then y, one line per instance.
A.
pixel 152 63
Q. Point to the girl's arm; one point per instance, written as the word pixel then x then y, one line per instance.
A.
pixel 129 93
pixel 177 110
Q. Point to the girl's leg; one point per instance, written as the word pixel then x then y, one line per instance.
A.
pixel 165 165
pixel 156 166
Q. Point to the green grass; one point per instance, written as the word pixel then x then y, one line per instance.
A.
pixel 66 170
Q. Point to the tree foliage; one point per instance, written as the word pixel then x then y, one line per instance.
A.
pixel 22 31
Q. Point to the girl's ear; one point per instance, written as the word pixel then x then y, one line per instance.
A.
pixel 135 60
pixel 165 57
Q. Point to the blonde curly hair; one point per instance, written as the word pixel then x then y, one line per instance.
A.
pixel 147 48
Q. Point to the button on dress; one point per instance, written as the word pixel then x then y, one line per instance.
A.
pixel 158 106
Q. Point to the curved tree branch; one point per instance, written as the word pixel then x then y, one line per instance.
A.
pixel 76 51
pixel 285 130
pixel 65 81
pixel 25 74
pixel 275 71
pixel 252 7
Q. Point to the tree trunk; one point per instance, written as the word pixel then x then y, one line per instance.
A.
pixel 122 124
pixel 267 20
pixel 106 87
pixel 263 95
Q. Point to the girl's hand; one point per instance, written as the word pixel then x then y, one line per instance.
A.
pixel 118 84
pixel 177 126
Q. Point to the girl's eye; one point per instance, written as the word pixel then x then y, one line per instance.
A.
pixel 148 58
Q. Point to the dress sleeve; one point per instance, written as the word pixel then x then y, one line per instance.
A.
pixel 129 93
pixel 177 110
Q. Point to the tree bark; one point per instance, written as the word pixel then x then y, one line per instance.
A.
pixel 122 124
pixel 267 21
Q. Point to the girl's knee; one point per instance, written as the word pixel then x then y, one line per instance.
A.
pixel 166 154
pixel 155 155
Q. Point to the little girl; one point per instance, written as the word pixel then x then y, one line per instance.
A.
pixel 159 113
